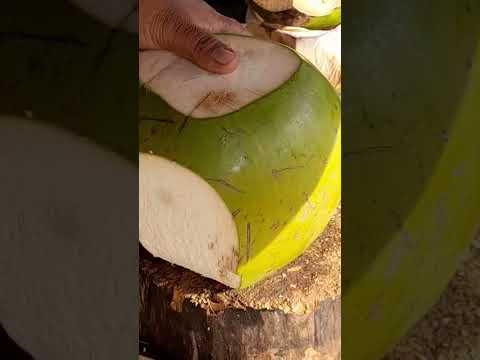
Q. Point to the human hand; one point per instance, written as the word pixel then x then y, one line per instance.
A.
pixel 185 27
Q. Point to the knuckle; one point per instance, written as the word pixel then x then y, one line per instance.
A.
pixel 230 24
pixel 164 26
pixel 156 28
pixel 204 42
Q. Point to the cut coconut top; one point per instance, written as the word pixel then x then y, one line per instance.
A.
pixel 185 222
pixel 308 7
pixel 263 67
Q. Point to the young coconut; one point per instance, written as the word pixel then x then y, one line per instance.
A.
pixel 310 14
pixel 417 204
pixel 322 48
pixel 265 138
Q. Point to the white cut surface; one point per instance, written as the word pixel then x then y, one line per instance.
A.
pixel 114 13
pixel 322 48
pixel 308 7
pixel 62 200
pixel 263 67
pixel 184 221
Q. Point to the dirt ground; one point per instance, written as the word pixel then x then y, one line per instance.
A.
pixel 451 330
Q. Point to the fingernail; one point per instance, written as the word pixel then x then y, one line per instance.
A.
pixel 223 55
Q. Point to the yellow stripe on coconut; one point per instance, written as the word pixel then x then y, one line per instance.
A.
pixel 415 144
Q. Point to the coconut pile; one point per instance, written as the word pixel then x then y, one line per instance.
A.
pixel 313 28
pixel 310 14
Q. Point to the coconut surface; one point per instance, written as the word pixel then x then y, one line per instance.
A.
pixel 266 138
pixel 190 212
pixel 198 94
pixel 414 141
pixel 334 18
pixel 308 7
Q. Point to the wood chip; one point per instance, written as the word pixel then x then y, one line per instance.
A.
pixel 315 276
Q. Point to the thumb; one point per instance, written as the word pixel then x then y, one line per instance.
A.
pixel 231 26
pixel 203 49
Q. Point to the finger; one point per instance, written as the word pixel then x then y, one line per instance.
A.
pixel 231 26
pixel 203 49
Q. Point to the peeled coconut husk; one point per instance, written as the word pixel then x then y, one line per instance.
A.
pixel 262 149
pixel 293 17
pixel 311 14
pixel 321 47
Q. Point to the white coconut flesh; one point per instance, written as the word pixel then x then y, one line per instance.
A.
pixel 114 13
pixel 57 190
pixel 307 7
pixel 184 221
pixel 322 48
pixel 263 67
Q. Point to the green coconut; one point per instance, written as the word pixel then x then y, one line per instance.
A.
pixel 256 172
pixel 310 14
pixel 325 22
pixel 410 164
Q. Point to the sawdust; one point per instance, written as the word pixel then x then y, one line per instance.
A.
pixel 297 288
pixel 451 330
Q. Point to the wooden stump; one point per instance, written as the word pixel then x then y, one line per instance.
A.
pixel 293 314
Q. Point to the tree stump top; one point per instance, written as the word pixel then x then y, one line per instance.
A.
pixel 298 288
